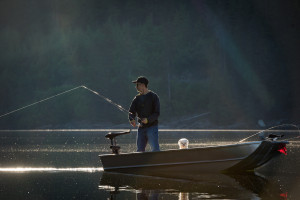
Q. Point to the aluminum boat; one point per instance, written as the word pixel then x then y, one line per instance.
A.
pixel 233 158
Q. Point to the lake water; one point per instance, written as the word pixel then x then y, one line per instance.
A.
pixel 65 165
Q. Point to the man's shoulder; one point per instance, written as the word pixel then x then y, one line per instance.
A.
pixel 150 94
pixel 153 93
pixel 137 96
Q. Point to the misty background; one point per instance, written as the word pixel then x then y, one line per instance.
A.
pixel 213 63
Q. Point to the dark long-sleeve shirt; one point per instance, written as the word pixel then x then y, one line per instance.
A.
pixel 145 106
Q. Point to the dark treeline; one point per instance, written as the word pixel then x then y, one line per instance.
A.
pixel 236 60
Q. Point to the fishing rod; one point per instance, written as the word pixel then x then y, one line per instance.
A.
pixel 113 103
pixel 275 129
pixel 107 99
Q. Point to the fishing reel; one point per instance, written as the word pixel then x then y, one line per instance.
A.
pixel 112 136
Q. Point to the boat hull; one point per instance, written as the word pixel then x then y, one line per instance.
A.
pixel 194 160
pixel 227 158
pixel 178 169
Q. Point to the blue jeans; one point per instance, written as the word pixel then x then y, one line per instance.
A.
pixel 150 135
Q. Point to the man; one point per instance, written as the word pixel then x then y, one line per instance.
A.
pixel 146 107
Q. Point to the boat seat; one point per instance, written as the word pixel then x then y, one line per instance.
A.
pixel 112 135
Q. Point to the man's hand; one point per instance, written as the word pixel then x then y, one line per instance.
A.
pixel 145 121
pixel 133 123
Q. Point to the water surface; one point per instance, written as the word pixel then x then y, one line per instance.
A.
pixel 65 165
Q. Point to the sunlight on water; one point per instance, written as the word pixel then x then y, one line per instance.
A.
pixel 161 130
pixel 120 130
pixel 50 169
pixel 65 130
pixel 53 150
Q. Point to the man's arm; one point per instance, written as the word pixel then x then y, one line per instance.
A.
pixel 132 113
pixel 156 111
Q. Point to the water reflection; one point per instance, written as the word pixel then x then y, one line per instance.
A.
pixel 83 183
pixel 205 186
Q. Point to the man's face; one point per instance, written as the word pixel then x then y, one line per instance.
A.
pixel 139 86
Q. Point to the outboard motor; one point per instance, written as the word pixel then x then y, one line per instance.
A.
pixel 274 137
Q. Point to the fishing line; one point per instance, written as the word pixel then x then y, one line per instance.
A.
pixel 67 91
pixel 40 101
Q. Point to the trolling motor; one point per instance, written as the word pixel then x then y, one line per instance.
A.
pixel 112 136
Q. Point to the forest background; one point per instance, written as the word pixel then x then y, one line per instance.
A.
pixel 213 63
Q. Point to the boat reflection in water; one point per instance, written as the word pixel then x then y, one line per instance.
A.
pixel 204 186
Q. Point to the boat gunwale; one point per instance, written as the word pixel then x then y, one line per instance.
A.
pixel 189 149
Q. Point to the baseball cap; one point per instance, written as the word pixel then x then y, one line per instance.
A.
pixel 141 79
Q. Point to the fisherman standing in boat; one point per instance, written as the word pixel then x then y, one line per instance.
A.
pixel 146 107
